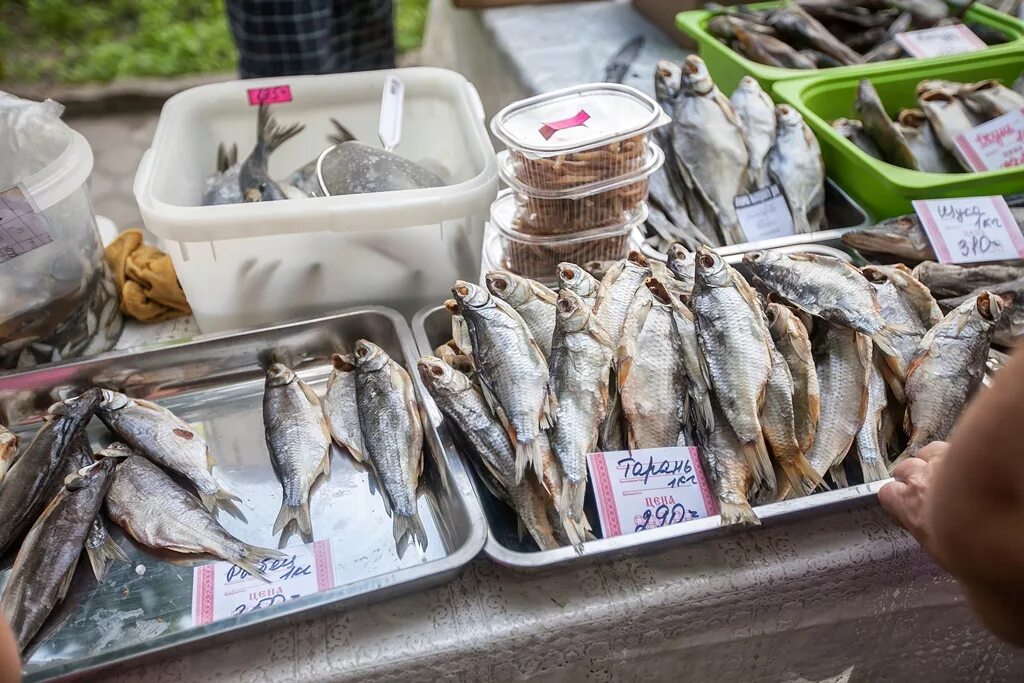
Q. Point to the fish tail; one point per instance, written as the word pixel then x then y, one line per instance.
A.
pixel 839 475
pixel 298 513
pixel 403 525
pixel 756 455
pixel 873 469
pixel 270 134
pixel 101 557
pixel 220 497
pixel 251 559
pixel 801 475
pixel 573 495
pixel 738 513
pixel 531 454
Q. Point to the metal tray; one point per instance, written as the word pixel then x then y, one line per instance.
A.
pixel 216 383
pixel 432 327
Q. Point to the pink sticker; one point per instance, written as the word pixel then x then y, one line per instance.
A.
pixel 549 129
pixel 995 144
pixel 970 229
pixel 270 95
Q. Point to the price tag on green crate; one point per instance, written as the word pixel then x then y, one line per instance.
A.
pixel 939 41
pixel 971 229
pixel 995 144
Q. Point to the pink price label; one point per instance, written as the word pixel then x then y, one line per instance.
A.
pixel 272 94
pixel 995 144
pixel 549 129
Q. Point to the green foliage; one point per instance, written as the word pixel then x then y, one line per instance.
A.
pixel 100 40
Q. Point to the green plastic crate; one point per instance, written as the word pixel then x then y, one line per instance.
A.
pixel 728 67
pixel 882 188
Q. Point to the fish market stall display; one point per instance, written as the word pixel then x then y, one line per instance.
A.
pixel 57 298
pixel 259 449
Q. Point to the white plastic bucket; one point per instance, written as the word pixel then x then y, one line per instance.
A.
pixel 249 264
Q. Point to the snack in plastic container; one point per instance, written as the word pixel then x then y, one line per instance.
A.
pixel 578 136
pixel 537 256
pixel 551 212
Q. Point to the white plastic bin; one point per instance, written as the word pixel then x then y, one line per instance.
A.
pixel 249 264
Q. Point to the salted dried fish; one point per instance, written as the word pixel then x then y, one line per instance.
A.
pixel 531 300
pixel 681 264
pixel 8 450
pixel 756 112
pixel 872 441
pixel 877 124
pixel 792 341
pixel 902 236
pixel 853 130
pixel 585 285
pixel 341 411
pixel 794 162
pixel 730 473
pixel 990 98
pixel 931 156
pixel 947 280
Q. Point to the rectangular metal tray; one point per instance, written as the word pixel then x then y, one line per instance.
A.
pixel 432 327
pixel 216 383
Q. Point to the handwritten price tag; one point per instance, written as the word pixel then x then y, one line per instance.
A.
pixel 971 229
pixel 272 94
pixel 221 590
pixel 649 488
pixel 940 41
pixel 764 214
pixel 995 144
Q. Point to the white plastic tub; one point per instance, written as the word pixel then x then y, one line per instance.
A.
pixel 249 264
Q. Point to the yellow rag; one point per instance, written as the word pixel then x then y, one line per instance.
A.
pixel 145 276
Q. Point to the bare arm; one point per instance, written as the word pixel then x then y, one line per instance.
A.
pixel 10 663
pixel 964 501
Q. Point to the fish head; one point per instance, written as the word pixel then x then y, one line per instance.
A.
pixel 369 356
pixel 279 375
pixel 571 313
pixel 722 27
pixel 452 306
pixel 343 363
pixel 93 475
pixel 78 407
pixel 788 117
pixel 509 287
pixel 912 118
pixel 775 313
pixel 638 262
pixel 759 260
pixel 695 78
pixel 470 296
pixel 991 306
pixel 748 87
pixel 709 269
pixel 681 260
pixel 667 76
pixel 440 377
pixel 573 277
pixel 253 194
pixel 116 450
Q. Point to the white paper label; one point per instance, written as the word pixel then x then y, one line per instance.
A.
pixel 391 105
pixel 221 590
pixel 22 228
pixel 649 488
pixel 764 214
pixel 971 229
pixel 940 41
pixel 995 144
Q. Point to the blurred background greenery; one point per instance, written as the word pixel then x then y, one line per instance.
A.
pixel 70 41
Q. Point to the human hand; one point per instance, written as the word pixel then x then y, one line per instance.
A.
pixel 907 499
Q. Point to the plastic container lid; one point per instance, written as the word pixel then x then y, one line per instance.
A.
pixel 576 119
pixel 62 176
pixel 503 212
pixel 653 160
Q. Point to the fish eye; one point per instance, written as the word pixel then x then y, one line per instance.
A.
pixel 462 290
pixel 568 274
pixel 437 371
pixel 707 261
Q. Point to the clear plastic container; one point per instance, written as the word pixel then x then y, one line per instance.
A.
pixel 551 212
pixel 57 301
pixel 578 136
pixel 537 256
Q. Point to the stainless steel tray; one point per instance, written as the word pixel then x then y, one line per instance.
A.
pixel 216 383
pixel 432 327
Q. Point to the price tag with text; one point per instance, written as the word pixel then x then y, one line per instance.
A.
pixel 971 229
pixel 649 488
pixel 995 144
pixel 221 590
pixel 764 214
pixel 940 41
pixel 272 94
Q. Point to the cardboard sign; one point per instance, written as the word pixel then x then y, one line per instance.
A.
pixel 940 41
pixel 971 229
pixel 22 228
pixel 764 214
pixel 272 94
pixel 995 144
pixel 221 590
pixel 649 488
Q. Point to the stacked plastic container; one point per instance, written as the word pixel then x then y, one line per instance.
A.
pixel 577 166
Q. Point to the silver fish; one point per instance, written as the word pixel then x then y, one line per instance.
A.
pixel 794 162
pixel 47 559
pixel 8 450
pixel 880 127
pixel 698 384
pixel 580 363
pixel 618 287
pixel 901 236
pixel 254 180
pixel 340 408
pixel 912 290
pixel 460 331
pixel 827 287
pixel 947 280
pixel 680 264
pixel 512 369
pixel 947 371
pixel 99 546
pixel 158 513
pixel 651 372
pixel 484 440
pixel 791 340
pixel 1011 323
pixel 730 473
pixel 931 156
pixel 166 439
pixel 585 285
pixel 756 112
pixel 734 341
pixel 872 443
pixel 393 436
pixel 710 151
pixel 299 442
pixel 531 300
pixel 221 187
pixel 990 98
pixel 948 116
pixel 843 361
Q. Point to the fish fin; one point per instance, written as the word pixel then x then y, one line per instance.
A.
pixel 341 133
pixel 300 514
pixel 310 395
pixel 410 526
pixel 573 495
pixel 356 453
pixel 801 475
pixel 529 454
pixel 892 381
pixel 220 498
pixel 885 339
pixel 269 133
pixel 839 474
pixel 101 557
pixel 520 528
pixel 759 462
pixel 65 582
pixel 325 464
pixel 210 460
pixel 874 469
pixel 737 513
pixel 252 557
pixel 548 411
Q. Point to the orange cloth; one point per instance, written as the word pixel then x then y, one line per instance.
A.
pixel 145 277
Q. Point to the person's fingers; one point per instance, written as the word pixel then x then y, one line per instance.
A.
pixel 891 497
pixel 936 449
pixel 908 469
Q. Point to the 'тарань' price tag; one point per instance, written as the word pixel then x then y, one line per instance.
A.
pixel 222 590
pixel 971 229
pixel 995 144
pixel 649 488
pixel 764 214
pixel 940 41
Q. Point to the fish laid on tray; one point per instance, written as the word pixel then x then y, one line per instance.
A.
pixel 831 377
